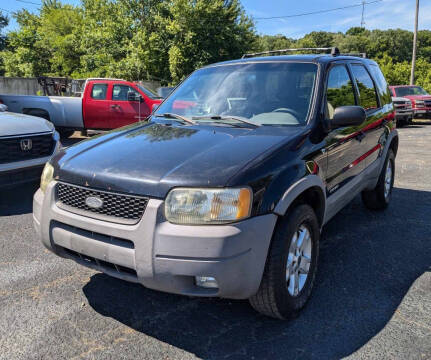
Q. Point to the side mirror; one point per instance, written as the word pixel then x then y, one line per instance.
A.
pixel 348 116
pixel 132 96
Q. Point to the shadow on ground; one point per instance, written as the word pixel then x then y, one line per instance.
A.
pixel 368 262
pixel 17 200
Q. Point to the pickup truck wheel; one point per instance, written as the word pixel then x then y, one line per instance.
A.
pixel 380 196
pixel 291 265
pixel 64 134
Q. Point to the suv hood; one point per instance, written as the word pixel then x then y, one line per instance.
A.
pixel 151 159
pixel 19 124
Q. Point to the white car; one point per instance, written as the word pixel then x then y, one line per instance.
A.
pixel 26 144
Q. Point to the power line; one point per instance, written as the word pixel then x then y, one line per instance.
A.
pixel 319 11
pixel 28 2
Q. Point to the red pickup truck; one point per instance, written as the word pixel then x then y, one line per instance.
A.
pixel 421 100
pixel 105 104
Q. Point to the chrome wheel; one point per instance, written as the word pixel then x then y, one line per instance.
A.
pixel 298 260
pixel 388 179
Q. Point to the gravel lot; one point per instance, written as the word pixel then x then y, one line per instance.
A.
pixel 372 299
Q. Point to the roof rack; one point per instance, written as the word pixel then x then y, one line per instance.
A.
pixel 97 78
pixel 334 51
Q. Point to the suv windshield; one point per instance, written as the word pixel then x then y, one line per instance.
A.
pixel 270 93
pixel 410 90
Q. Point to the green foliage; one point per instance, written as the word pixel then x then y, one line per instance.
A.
pixel 167 39
pixel 145 39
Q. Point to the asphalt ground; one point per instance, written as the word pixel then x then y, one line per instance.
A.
pixel 372 297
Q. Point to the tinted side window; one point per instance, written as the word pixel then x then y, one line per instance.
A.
pixel 339 90
pixel 119 92
pixel 98 92
pixel 382 85
pixel 367 92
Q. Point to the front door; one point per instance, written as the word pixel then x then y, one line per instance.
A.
pixel 123 111
pixel 344 146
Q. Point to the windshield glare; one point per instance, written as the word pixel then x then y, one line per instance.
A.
pixel 264 93
pixel 410 90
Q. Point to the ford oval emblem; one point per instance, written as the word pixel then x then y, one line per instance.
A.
pixel 94 202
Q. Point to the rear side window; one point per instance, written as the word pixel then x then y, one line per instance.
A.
pixel 382 85
pixel 98 92
pixel 367 92
pixel 119 92
pixel 339 90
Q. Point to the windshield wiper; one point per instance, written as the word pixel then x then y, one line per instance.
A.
pixel 227 117
pixel 177 117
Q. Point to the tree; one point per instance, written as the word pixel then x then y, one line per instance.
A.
pixel 206 31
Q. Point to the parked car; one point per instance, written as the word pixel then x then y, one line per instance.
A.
pixel 227 195
pixel 421 100
pixel 403 111
pixel 26 144
pixel 105 104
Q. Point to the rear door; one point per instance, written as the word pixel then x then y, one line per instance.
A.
pixel 344 146
pixel 96 106
pixel 123 111
pixel 377 107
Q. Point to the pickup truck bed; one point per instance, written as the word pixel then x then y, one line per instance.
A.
pixel 63 112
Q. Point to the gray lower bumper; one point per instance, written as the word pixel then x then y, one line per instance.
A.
pixel 158 254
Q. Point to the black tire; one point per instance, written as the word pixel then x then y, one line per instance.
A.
pixel 401 123
pixel 376 199
pixel 64 134
pixel 273 298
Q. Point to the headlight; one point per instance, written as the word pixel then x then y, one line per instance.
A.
pixel 207 206
pixel 47 175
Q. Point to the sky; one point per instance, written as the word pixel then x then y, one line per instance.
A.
pixel 384 14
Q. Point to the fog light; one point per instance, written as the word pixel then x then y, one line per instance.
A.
pixel 206 282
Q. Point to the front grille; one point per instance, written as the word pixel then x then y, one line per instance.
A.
pixel 105 266
pixel 427 103
pixel 119 206
pixel 25 148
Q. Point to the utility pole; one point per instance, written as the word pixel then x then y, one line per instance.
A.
pixel 363 12
pixel 415 36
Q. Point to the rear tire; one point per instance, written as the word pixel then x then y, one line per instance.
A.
pixel 64 134
pixel 290 261
pixel 380 196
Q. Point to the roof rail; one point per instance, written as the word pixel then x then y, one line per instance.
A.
pixel 333 51
pixel 362 55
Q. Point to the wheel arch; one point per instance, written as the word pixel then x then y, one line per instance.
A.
pixel 308 190
pixel 37 112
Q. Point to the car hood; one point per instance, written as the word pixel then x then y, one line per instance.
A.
pixel 418 97
pixel 151 159
pixel 19 124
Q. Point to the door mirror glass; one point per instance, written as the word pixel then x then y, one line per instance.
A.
pixel 348 116
pixel 133 96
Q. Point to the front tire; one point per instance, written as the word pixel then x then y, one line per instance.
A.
pixel 291 265
pixel 380 196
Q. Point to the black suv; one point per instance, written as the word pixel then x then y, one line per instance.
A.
pixel 226 188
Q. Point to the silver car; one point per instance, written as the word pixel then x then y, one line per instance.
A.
pixel 26 144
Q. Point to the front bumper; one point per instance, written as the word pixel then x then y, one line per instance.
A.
pixel 158 254
pixel 422 112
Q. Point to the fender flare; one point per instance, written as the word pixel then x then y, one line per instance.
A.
pixel 296 189
pixel 392 135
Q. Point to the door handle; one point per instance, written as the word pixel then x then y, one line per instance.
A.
pixel 115 106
